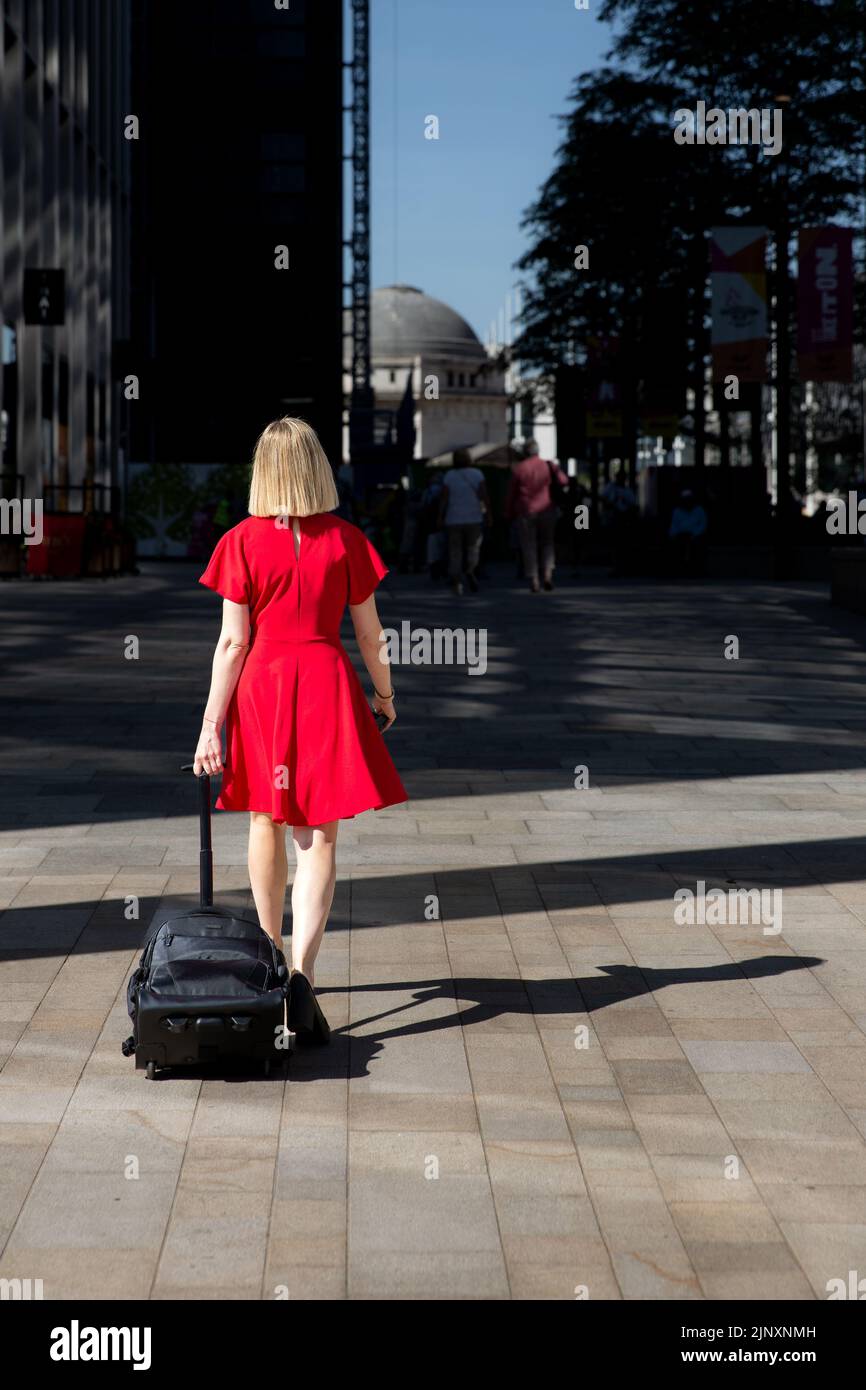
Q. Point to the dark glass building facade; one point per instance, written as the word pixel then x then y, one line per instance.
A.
pixel 65 169
pixel 241 154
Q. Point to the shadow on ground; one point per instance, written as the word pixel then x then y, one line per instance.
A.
pixel 475 1000
pixel 630 680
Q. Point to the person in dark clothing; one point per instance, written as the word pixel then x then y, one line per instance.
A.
pixel 688 534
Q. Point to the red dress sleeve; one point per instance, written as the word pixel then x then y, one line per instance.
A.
pixel 366 566
pixel 227 571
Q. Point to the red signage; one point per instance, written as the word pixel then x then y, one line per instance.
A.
pixel 61 552
pixel 825 304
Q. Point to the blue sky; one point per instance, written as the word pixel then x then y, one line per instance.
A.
pixel 496 73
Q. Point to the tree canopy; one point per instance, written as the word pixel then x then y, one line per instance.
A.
pixel 642 204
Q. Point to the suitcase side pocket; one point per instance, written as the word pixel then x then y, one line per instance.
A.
pixel 136 980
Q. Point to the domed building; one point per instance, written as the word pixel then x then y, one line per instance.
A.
pixel 419 344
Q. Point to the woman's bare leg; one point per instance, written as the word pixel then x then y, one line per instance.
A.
pixel 269 873
pixel 312 891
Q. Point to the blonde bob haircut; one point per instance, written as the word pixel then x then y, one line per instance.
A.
pixel 291 473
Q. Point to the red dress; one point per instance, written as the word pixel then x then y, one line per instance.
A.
pixel 301 740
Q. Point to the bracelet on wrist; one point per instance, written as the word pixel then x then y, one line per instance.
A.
pixel 380 696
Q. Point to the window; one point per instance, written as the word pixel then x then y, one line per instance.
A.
pixel 10 399
pixel 280 43
pixel 281 178
pixel 63 392
pixel 280 146
pixel 47 383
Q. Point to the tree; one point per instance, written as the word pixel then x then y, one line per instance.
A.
pixel 622 187
pixel 644 205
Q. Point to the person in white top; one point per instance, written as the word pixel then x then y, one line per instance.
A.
pixel 464 508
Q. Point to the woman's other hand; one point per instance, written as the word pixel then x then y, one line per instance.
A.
pixel 208 753
pixel 385 707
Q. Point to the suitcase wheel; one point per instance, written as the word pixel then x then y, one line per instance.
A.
pixel 150 1073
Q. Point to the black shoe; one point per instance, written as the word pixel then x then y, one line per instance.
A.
pixel 472 582
pixel 548 586
pixel 306 1019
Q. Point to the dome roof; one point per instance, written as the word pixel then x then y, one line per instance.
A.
pixel 405 321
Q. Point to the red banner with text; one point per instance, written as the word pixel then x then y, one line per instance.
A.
pixel 825 317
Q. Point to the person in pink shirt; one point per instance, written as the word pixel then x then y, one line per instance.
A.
pixel 531 502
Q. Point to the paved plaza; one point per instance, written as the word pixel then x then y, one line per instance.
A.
pixel 541 1084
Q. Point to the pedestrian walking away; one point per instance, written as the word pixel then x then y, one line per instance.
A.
pixel 620 521
pixel 687 535
pixel 464 510
pixel 303 747
pixel 531 502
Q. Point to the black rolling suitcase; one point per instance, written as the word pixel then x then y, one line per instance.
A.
pixel 209 986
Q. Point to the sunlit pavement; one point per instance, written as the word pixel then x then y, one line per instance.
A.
pixel 542 1085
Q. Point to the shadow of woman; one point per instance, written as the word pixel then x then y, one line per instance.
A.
pixel 474 1000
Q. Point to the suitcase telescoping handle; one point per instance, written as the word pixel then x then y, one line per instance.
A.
pixel 205 857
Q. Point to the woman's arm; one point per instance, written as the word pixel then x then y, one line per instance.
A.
pixel 374 650
pixel 228 659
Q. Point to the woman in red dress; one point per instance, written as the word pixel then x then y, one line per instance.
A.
pixel 303 747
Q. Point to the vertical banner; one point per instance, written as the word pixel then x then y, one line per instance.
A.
pixel 604 405
pixel 825 303
pixel 663 362
pixel 569 398
pixel 739 284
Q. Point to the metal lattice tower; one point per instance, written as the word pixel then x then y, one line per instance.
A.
pixel 362 396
